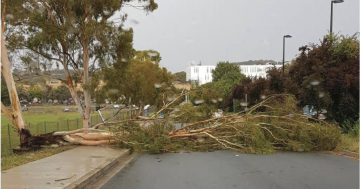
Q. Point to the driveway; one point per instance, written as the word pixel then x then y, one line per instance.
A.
pixel 228 169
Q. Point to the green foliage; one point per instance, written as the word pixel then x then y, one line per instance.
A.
pixel 349 142
pixel 23 93
pixel 141 80
pixel 152 139
pixel 334 65
pixel 209 94
pixel 273 124
pixel 180 76
pixel 225 77
pixel 351 128
pixel 35 91
pixel 324 75
pixel 147 56
pixel 81 35
pixel 61 93
pixel 227 71
pixel 188 113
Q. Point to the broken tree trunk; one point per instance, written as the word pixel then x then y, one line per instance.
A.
pixel 90 138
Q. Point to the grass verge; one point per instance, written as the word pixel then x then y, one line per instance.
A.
pixel 348 143
pixel 16 160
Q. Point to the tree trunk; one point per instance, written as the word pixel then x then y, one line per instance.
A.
pixel 14 114
pixel 86 81
pixel 72 89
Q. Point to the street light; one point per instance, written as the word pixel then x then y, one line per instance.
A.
pixel 283 63
pixel 331 14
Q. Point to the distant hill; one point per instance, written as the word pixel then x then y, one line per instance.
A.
pixel 257 62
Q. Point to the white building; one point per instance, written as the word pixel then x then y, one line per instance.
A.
pixel 257 68
pixel 202 74
pixel 199 73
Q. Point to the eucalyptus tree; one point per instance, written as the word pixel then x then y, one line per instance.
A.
pixel 145 79
pixel 77 34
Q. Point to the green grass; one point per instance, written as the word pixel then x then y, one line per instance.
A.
pixel 348 143
pixel 13 160
pixel 44 119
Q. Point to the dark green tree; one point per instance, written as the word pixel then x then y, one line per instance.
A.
pixel 328 74
pixel 227 71
pixel 180 76
pixel 225 77
pixel 324 75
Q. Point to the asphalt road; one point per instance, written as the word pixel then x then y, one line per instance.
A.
pixel 227 169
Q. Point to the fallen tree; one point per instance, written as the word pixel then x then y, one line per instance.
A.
pixel 273 124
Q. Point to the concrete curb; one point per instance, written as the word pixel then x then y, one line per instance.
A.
pixel 123 163
pixel 96 174
pixel 344 153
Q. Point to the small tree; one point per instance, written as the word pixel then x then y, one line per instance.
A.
pixel 227 71
pixel 225 77
pixel 144 77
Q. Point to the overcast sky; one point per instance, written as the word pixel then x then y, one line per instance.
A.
pixel 236 30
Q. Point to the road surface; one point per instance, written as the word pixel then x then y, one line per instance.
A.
pixel 227 169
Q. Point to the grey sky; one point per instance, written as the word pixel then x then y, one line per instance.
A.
pixel 236 30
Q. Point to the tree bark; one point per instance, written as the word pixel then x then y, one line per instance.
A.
pixel 72 89
pixel 15 112
pixel 86 81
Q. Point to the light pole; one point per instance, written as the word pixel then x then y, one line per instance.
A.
pixel 331 14
pixel 283 63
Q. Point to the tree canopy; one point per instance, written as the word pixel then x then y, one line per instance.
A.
pixel 227 71
pixel 328 76
pixel 142 80
pixel 225 77
pixel 180 76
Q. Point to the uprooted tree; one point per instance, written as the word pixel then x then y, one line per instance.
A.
pixel 79 35
pixel 273 124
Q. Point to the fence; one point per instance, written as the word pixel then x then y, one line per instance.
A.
pixel 10 138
